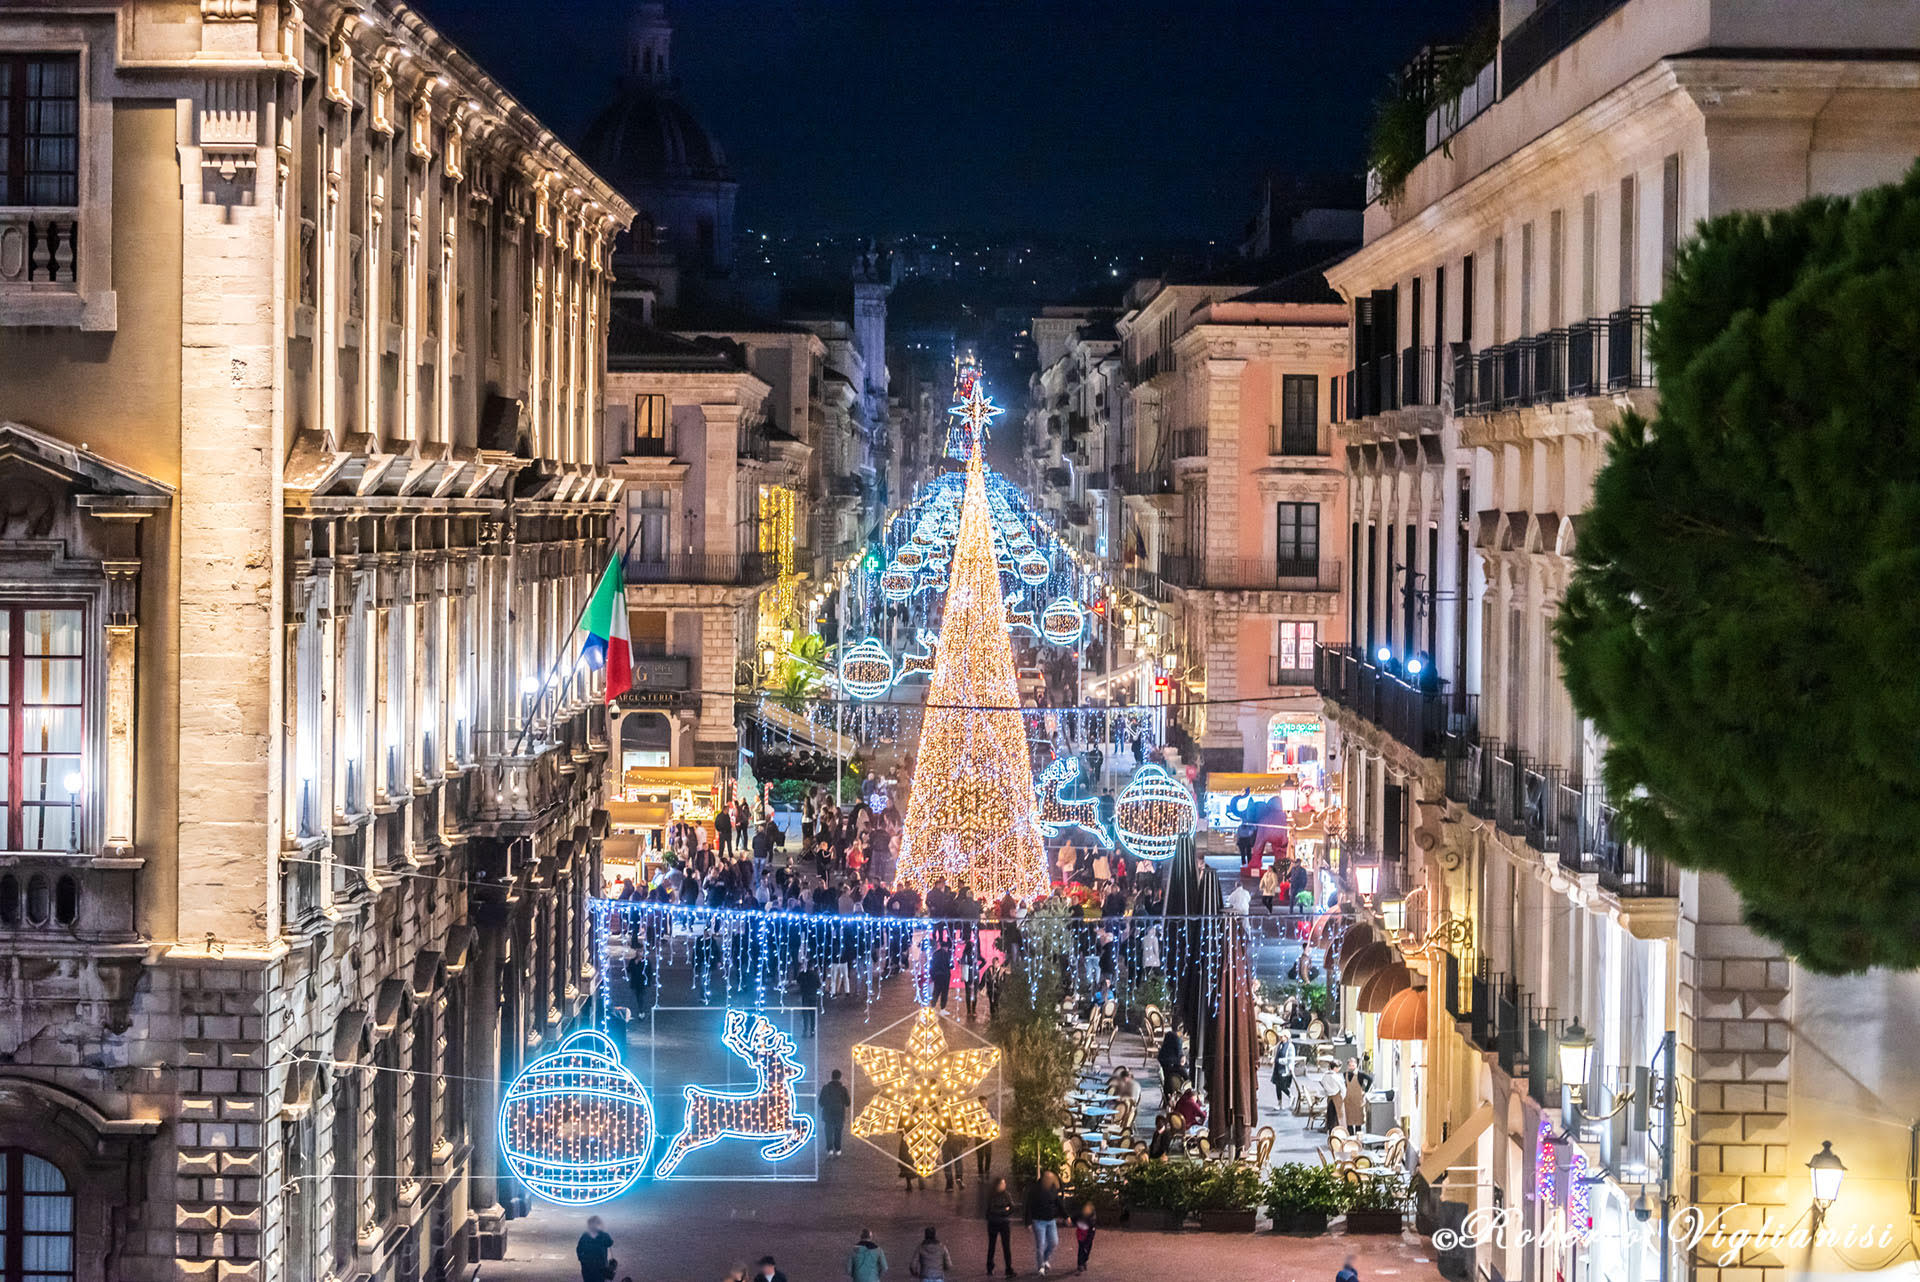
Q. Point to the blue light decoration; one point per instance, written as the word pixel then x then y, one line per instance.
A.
pixel 1063 623
pixel 575 1126
pixel 1059 812
pixel 769 1112
pixel 866 669
pixel 977 413
pixel 1154 812
pixel 1034 568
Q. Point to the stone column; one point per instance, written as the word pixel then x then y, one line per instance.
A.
pixel 485 1036
pixel 1224 540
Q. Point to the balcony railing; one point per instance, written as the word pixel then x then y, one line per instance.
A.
pixel 727 570
pixel 1290 574
pixel 39 247
pixel 1420 376
pixel 1190 442
pixel 1588 358
pixel 1152 480
pixel 1280 675
pixel 1414 714
pixel 1550 28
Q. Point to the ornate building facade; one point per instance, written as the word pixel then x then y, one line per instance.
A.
pixel 1500 311
pixel 301 349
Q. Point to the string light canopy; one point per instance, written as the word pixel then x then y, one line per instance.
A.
pixel 970 811
pixel 768 1112
pixel 1155 810
pixel 575 1126
pixel 926 1092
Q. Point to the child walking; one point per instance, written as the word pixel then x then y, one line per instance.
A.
pixel 1083 1226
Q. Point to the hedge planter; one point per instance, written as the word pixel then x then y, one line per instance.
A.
pixel 1359 1221
pixel 1228 1221
pixel 1155 1220
pixel 1301 1223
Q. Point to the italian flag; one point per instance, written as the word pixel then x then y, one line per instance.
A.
pixel 605 623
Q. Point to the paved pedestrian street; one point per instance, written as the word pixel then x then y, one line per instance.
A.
pixel 698 1231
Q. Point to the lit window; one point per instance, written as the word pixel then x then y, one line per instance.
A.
pixel 42 680
pixel 37 1223
pixel 40 129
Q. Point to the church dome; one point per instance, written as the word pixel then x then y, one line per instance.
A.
pixel 647 136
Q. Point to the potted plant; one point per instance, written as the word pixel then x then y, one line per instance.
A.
pixel 1158 1195
pixel 1228 1198
pixel 1301 1197
pixel 1377 1204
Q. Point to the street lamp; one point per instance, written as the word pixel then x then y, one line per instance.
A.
pixel 1661 1091
pixel 1393 914
pixel 1826 1170
pixel 1366 879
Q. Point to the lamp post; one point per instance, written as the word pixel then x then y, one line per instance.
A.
pixel 1662 1090
pixel 1826 1171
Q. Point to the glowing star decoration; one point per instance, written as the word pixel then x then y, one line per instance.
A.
pixel 1063 623
pixel 768 1112
pixel 575 1126
pixel 976 413
pixel 926 1092
pixel 866 670
pixel 1059 812
pixel 1034 568
pixel 970 811
pixel 1155 810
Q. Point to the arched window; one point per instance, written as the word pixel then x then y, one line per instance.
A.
pixel 38 1219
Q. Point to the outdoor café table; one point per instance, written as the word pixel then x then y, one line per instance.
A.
pixel 1100 1110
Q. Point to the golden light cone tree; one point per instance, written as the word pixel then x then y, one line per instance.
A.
pixel 971 813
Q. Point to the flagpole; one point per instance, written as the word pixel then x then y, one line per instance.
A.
pixel 546 681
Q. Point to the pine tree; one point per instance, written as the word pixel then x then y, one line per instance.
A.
pixel 1744 621
pixel 971 813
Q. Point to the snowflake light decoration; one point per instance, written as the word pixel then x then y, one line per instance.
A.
pixel 926 1091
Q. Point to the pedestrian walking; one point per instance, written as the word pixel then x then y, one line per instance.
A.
pixel 723 828
pixel 809 983
pixel 906 1167
pixel 1043 1217
pixel 1000 1225
pixel 940 971
pixel 931 1262
pixel 1347 1272
pixel 835 1101
pixel 952 1149
pixel 983 1156
pixel 769 1271
pixel 595 1252
pixel 1083 1226
pixel 868 1263
pixel 1269 887
pixel 1282 1076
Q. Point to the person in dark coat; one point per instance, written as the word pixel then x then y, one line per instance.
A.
pixel 808 981
pixel 941 974
pixel 835 1101
pixel 1173 1063
pixel 595 1251
pixel 999 1225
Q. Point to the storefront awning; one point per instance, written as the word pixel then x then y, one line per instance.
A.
pixel 667 778
pixel 1405 1016
pixel 1358 936
pixel 1447 1154
pixel 1386 982
pixel 1259 785
pixel 1363 965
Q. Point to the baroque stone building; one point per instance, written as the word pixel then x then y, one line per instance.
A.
pixel 301 347
pixel 1500 313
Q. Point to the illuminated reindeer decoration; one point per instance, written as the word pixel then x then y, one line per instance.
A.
pixel 767 1112
pixel 918 662
pixel 1059 812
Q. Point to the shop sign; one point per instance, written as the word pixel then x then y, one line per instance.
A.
pixel 660 674
pixel 1294 727
pixel 1693 1231
pixel 641 698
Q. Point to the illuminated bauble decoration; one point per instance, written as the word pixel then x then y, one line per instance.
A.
pixel 1034 568
pixel 927 1093
pixel 575 1126
pixel 1063 623
pixel 1155 810
pixel 866 669
pixel 896 584
pixel 910 558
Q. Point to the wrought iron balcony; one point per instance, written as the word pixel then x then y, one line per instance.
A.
pixel 1288 574
pixel 735 570
pixel 1190 442
pixel 1415 713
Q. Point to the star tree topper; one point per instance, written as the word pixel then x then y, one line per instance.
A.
pixel 927 1092
pixel 977 412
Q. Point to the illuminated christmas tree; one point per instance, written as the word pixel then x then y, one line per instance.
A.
pixel 971 815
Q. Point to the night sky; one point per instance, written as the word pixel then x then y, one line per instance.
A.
pixel 1083 118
